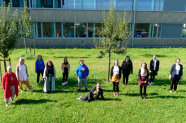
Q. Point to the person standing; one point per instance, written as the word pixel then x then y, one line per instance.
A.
pixel 175 75
pixel 49 77
pixel 143 75
pixel 39 67
pixel 9 85
pixel 82 73
pixel 116 76
pixel 94 94
pixel 154 68
pixel 65 67
pixel 127 68
pixel 22 75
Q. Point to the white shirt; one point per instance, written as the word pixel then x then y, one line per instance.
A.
pixel 154 64
pixel 177 69
pixel 142 72
pixel 22 73
pixel 116 70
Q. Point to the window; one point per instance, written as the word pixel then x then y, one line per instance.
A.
pixel 6 2
pixel 141 30
pixel 81 30
pixel 44 3
pixel 106 5
pixel 125 4
pixel 156 28
pixel 90 30
pixel 68 30
pixel 57 3
pixel 150 5
pixel 184 31
pixel 39 29
pixel 58 30
pixel 48 29
pixel 97 29
pixel 89 4
pixel 17 3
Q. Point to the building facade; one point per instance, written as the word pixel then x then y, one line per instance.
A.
pixel 75 23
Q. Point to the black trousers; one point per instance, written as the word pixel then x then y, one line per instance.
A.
pixel 38 74
pixel 115 86
pixel 152 75
pixel 174 82
pixel 141 88
pixel 88 95
pixel 65 76
pixel 126 78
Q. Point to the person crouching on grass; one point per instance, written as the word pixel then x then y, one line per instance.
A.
pixel 116 76
pixel 22 75
pixel 9 85
pixel 143 75
pixel 94 94
pixel 82 73
pixel 49 77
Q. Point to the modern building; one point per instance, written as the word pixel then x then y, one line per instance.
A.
pixel 74 23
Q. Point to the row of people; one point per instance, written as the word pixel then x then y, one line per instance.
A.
pixel 82 72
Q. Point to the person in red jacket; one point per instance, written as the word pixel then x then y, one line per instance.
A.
pixel 9 85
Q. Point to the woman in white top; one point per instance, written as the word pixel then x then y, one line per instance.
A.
pixel 175 75
pixel 22 74
pixel 116 76
pixel 49 77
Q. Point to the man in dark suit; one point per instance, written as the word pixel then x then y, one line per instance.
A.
pixel 154 68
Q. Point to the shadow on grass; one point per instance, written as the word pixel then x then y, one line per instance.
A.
pixel 31 101
pixel 111 99
pixel 137 94
pixel 151 55
pixel 70 57
pixel 166 97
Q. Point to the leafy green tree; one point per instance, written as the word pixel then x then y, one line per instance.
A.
pixel 26 24
pixel 9 30
pixel 112 35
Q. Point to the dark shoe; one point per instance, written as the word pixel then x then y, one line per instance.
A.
pixel 86 89
pixel 79 89
pixel 141 97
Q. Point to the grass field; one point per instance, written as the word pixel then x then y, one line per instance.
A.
pixel 62 106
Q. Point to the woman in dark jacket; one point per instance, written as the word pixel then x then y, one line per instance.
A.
pixel 143 75
pixel 175 74
pixel 94 94
pixel 116 76
pixel 127 68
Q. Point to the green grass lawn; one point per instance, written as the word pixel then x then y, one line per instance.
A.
pixel 62 106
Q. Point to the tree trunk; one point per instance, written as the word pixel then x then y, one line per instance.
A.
pixel 25 45
pixel 5 65
pixel 34 47
pixel 108 77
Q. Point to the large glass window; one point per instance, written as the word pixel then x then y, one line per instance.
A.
pixel 57 3
pixel 141 30
pixel 98 27
pixel 6 2
pixel 90 30
pixel 68 30
pixel 125 4
pixel 44 3
pixel 150 5
pixel 48 29
pixel 106 5
pixel 17 3
pixel 184 31
pixel 89 4
pixel 58 30
pixel 81 30
pixel 39 29
pixel 156 28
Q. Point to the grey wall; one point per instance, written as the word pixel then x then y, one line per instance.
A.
pixel 171 30
pixel 174 5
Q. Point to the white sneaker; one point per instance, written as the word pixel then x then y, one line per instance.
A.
pixel 31 90
pixel 66 82
pixel 152 83
pixel 21 91
pixel 175 91
pixel 63 84
pixel 170 91
pixel 6 105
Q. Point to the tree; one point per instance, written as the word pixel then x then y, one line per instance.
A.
pixel 26 24
pixel 9 31
pixel 113 35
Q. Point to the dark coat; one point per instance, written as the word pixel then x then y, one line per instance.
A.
pixel 127 67
pixel 139 74
pixel 173 71
pixel 90 94
pixel 152 65
pixel 119 72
